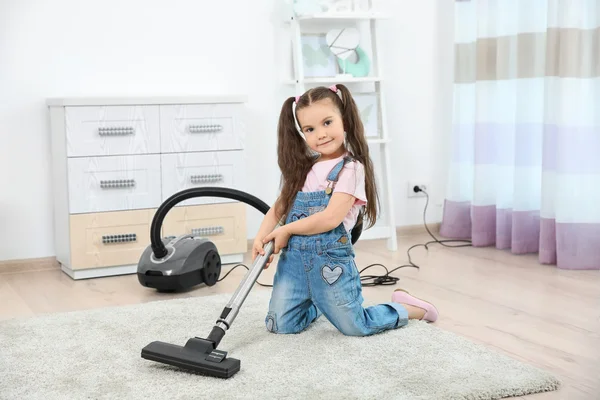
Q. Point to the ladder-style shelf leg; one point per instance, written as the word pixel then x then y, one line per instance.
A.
pixel 392 243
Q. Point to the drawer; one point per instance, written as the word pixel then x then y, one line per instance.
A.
pixel 109 239
pixel 114 183
pixel 201 127
pixel 223 224
pixel 112 130
pixel 186 170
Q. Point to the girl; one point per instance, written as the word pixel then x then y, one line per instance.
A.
pixel 327 180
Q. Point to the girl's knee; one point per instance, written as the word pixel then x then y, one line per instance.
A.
pixel 352 330
pixel 348 325
pixel 358 329
pixel 353 321
pixel 283 326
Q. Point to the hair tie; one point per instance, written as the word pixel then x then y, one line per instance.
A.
pixel 335 90
pixel 296 119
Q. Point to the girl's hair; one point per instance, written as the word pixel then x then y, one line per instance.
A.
pixel 295 158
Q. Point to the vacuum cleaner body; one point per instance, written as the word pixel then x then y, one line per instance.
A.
pixel 190 261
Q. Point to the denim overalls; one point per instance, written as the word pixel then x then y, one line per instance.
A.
pixel 317 275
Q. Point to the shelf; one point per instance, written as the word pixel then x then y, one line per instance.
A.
pixel 376 140
pixel 333 79
pixel 342 16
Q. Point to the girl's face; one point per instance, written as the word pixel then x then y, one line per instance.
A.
pixel 322 125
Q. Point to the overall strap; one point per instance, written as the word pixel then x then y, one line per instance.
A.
pixel 334 174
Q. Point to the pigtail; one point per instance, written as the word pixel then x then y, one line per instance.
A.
pixel 294 159
pixel 350 113
pixel 358 146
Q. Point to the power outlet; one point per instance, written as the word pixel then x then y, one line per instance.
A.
pixel 411 188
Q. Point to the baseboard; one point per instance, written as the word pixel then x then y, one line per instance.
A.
pixel 29 265
pixel 131 269
pixel 375 233
pixel 50 263
pixel 410 230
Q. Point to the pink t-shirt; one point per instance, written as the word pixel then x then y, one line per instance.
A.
pixel 351 180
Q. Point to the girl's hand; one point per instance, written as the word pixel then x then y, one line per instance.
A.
pixel 281 236
pixel 257 248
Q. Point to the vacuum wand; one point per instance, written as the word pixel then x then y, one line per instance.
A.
pixel 233 306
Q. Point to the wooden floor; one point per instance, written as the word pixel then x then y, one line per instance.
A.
pixel 535 313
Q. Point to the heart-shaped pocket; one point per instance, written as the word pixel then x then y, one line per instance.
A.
pixel 331 275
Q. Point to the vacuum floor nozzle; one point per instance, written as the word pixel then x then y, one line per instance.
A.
pixel 198 355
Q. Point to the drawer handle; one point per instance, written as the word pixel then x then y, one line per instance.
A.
pixel 205 128
pixel 122 238
pixel 116 130
pixel 208 178
pixel 117 183
pixel 208 231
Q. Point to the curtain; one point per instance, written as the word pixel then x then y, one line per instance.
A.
pixel 524 170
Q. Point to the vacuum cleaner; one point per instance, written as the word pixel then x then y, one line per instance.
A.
pixel 193 261
pixel 188 260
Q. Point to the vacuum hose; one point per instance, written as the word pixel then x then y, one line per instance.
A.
pixel 158 247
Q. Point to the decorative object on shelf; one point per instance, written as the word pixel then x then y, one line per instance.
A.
pixel 369 112
pixel 343 42
pixel 351 58
pixel 359 68
pixel 306 7
pixel 377 6
pixel 313 7
pixel 318 60
pixel 340 6
pixel 362 5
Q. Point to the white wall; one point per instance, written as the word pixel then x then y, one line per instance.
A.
pixel 419 72
pixel 143 47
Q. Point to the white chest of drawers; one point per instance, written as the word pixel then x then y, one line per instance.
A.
pixel 115 160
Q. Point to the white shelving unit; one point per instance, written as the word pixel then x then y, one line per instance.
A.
pixel 382 139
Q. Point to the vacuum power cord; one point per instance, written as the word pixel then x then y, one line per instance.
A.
pixel 465 243
pixel 241 265
pixel 387 279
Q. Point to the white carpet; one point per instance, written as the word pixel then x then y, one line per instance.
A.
pixel 96 355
